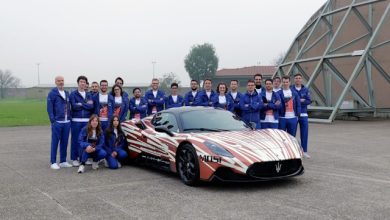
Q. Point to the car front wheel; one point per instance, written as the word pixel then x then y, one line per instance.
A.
pixel 188 165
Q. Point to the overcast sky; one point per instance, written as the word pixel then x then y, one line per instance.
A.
pixel 105 39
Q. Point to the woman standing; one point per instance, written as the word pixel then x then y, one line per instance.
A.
pixel 115 144
pixel 119 103
pixel 222 100
pixel 91 140
pixel 138 106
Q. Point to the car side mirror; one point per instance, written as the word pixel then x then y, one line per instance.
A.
pixel 163 129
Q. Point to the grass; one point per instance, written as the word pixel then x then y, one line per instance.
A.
pixel 23 112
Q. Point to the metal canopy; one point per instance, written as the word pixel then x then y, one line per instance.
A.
pixel 343 54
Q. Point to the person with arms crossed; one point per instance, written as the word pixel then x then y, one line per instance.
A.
pixel 155 98
pixel 250 105
pixel 222 100
pixel 269 113
pixel 174 100
pixel 102 105
pixel 206 96
pixel 138 106
pixel 189 98
pixel 235 95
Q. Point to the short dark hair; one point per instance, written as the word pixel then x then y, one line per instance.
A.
pixel 286 77
pixel 194 80
pixel 207 80
pixel 103 81
pixel 220 84
pixel 234 80
pixel 94 82
pixel 298 74
pixel 276 77
pixel 258 74
pixel 119 78
pixel 250 81
pixel 113 88
pixel 174 84
pixel 135 89
pixel 82 78
pixel 270 80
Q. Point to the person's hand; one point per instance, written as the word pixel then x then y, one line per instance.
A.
pixel 114 154
pixel 302 100
pixel 90 102
pixel 89 149
pixel 246 105
pixel 79 103
pixel 265 104
pixel 277 102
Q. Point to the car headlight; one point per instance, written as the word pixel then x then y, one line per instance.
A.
pixel 215 148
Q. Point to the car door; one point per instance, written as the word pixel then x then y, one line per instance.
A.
pixel 163 140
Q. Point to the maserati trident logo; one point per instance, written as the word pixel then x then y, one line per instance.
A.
pixel 278 167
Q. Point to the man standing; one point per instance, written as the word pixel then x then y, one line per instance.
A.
pixel 303 121
pixel 276 82
pixel 269 114
pixel 206 96
pixel 290 109
pixel 102 105
pixel 236 96
pixel 94 88
pixel 174 100
pixel 155 98
pixel 82 108
pixel 189 98
pixel 58 109
pixel 250 105
pixel 119 81
pixel 258 80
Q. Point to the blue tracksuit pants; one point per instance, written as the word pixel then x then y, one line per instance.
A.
pixel 75 146
pixel 59 134
pixel 99 154
pixel 289 125
pixel 304 130
pixel 113 162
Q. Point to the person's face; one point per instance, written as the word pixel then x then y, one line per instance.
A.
pixel 276 83
pixel 207 85
pixel 82 84
pixel 250 87
pixel 286 83
pixel 94 123
pixel 222 89
pixel 119 82
pixel 194 85
pixel 115 122
pixel 59 80
pixel 233 85
pixel 268 85
pixel 298 80
pixel 95 87
pixel 174 90
pixel 137 93
pixel 103 87
pixel 155 84
pixel 117 91
pixel 258 80
pixel 86 87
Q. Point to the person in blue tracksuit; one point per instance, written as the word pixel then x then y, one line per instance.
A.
pixel 101 104
pixel 276 84
pixel 222 100
pixel 119 104
pixel 189 98
pixel 94 88
pixel 258 78
pixel 119 81
pixel 205 96
pixel 138 106
pixel 269 113
pixel 174 100
pixel 250 105
pixel 91 140
pixel 155 98
pixel 82 107
pixel 290 108
pixel 115 144
pixel 305 100
pixel 235 95
pixel 58 109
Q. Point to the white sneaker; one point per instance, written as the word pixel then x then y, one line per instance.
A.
pixel 81 169
pixel 119 165
pixel 89 161
pixel 75 163
pixel 65 164
pixel 54 166
pixel 105 163
pixel 95 165
pixel 306 155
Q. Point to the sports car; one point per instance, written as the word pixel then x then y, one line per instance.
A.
pixel 205 144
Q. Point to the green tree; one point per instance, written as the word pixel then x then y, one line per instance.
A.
pixel 7 81
pixel 201 62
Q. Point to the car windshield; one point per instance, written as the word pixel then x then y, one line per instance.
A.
pixel 211 120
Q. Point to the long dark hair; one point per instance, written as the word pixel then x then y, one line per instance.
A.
pixel 113 88
pixel 98 128
pixel 110 129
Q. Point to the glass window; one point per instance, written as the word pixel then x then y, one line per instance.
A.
pixel 167 120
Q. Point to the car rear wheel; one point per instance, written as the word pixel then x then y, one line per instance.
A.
pixel 188 165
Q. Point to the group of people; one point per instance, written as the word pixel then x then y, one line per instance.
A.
pixel 93 117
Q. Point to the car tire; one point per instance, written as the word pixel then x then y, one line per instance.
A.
pixel 188 165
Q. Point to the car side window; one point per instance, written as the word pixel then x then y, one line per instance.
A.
pixel 167 120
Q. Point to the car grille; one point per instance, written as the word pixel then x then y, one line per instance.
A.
pixel 274 168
